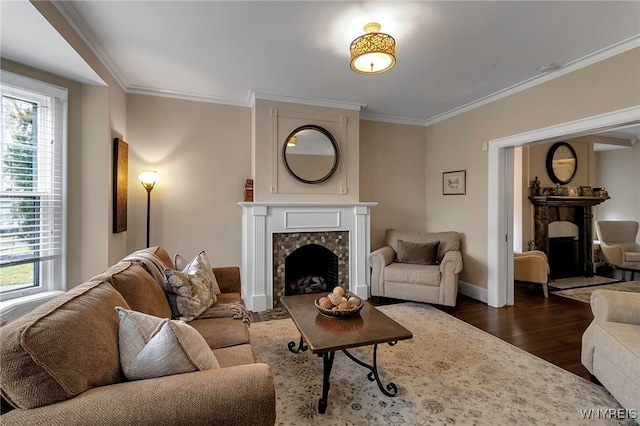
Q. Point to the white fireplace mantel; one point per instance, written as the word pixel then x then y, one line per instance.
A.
pixel 260 220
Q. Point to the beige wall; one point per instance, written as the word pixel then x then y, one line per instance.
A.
pixel 456 143
pixel 393 173
pixel 202 152
pixel 619 172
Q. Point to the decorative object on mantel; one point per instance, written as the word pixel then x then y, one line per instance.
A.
pixel 148 179
pixel 600 192
pixel 586 191
pixel 373 52
pixel 248 191
pixel 454 183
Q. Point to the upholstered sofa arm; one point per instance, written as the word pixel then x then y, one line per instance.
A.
pixel 616 306
pixel 378 260
pixel 228 278
pixel 452 260
pixel 613 254
pixel 241 395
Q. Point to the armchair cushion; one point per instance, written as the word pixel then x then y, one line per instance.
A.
pixel 449 240
pixel 424 254
pixel 407 273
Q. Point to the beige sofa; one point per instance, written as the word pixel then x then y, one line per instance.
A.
pixel 430 283
pixel 59 364
pixel 611 345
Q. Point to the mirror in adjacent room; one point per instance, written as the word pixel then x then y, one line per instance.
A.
pixel 310 154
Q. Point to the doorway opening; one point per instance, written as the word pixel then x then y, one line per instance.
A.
pixel 501 192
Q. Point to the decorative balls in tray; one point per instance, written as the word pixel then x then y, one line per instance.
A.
pixel 339 304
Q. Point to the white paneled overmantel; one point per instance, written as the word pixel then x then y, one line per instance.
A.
pixel 261 220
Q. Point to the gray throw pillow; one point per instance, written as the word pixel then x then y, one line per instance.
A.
pixel 420 253
pixel 153 347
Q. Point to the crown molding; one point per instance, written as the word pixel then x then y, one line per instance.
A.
pixel 392 119
pixel 304 101
pixel 585 61
pixel 198 97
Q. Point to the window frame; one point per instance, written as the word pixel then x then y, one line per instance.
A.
pixel 51 273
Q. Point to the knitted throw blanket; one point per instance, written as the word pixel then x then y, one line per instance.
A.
pixel 228 310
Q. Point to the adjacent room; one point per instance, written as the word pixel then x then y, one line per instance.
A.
pixel 319 212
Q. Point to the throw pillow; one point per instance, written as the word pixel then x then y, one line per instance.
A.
pixel 201 262
pixel 188 292
pixel 424 254
pixel 154 347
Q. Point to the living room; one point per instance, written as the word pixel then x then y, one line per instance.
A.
pixel 205 151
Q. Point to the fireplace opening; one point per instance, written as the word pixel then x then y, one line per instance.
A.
pixel 310 269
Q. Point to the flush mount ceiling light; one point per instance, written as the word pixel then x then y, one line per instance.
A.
pixel 373 52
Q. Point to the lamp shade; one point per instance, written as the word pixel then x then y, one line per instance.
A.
pixel 148 178
pixel 373 52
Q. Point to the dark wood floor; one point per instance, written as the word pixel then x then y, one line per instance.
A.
pixel 548 328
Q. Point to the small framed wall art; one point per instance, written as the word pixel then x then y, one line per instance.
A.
pixel 454 183
pixel 120 178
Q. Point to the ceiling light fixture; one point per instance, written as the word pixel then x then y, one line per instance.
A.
pixel 373 52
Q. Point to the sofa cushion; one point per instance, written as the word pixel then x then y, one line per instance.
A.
pixel 235 355
pixel 200 262
pixel 426 275
pixel 155 347
pixel 222 332
pixel 139 289
pixel 423 254
pixel 152 261
pixel 40 360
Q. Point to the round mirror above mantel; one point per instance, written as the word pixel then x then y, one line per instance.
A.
pixel 310 154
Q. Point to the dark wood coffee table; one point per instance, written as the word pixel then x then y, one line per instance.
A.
pixel 324 336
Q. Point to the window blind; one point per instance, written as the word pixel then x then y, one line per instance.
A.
pixel 31 176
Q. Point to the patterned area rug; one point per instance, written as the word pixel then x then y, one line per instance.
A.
pixel 575 282
pixel 449 373
pixel 584 294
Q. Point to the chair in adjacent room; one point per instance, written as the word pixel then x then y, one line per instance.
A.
pixel 532 267
pixel 618 244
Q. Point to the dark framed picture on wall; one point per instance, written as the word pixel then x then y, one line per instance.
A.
pixel 120 178
pixel 454 183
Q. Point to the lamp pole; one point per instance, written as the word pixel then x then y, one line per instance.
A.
pixel 148 188
pixel 148 179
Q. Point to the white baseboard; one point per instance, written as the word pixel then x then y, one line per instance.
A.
pixel 472 291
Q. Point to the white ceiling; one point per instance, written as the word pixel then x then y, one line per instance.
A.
pixel 451 55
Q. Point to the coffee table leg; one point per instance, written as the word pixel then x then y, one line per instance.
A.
pixel 301 346
pixel 327 363
pixel 391 388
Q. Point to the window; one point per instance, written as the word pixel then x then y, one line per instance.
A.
pixel 32 187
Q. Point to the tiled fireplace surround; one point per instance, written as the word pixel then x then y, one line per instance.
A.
pixel 272 231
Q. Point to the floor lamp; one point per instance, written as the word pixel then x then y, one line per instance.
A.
pixel 148 178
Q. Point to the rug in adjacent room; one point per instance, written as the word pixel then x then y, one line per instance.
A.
pixel 576 282
pixel 449 373
pixel 584 294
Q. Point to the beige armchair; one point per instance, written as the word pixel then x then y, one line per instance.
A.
pixel 618 244
pixel 417 266
pixel 532 267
